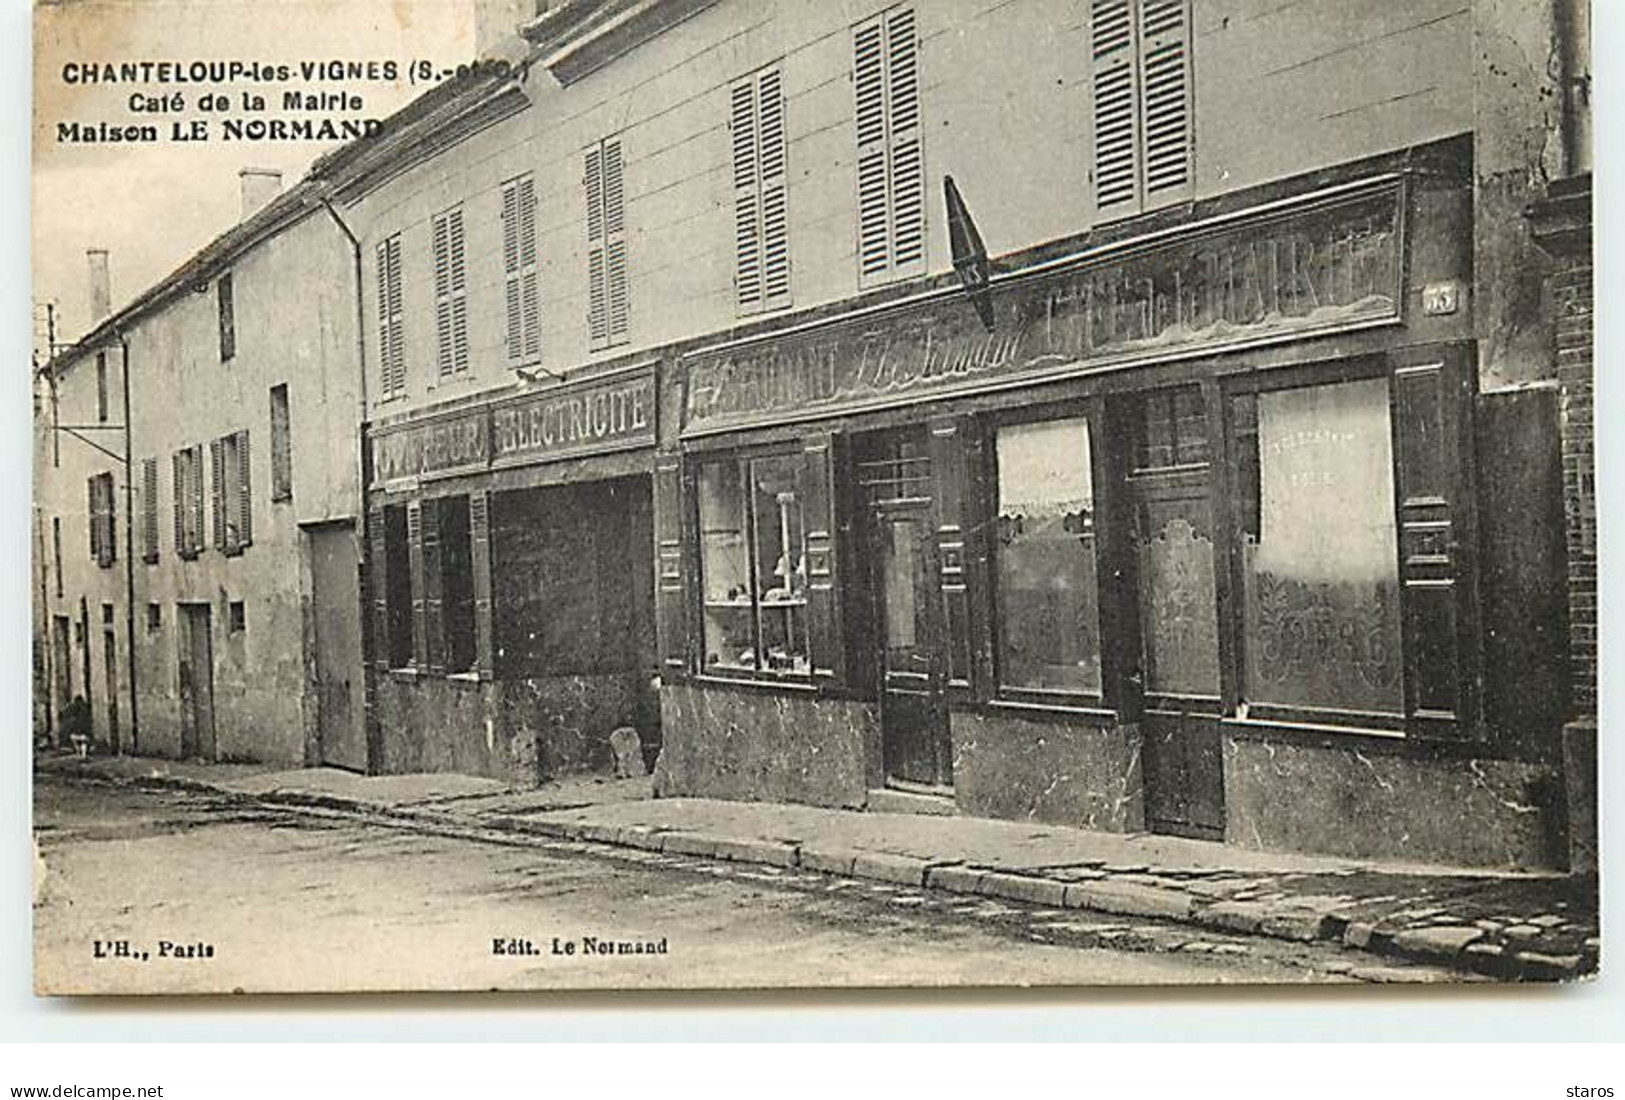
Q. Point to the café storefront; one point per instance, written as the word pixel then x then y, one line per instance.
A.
pixel 511 574
pixel 1186 540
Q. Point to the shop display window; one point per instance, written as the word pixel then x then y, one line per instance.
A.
pixel 1048 619
pixel 753 566
pixel 1320 563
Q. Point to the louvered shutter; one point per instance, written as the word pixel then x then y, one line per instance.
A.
pixel 378 582
pixel 195 534
pixel 459 292
pixel 93 511
pixel 479 533
pixel 217 462
pixel 391 376
pixel 450 292
pixel 905 139
pixel 615 258
pixel 512 338
pixel 869 85
pixel 890 158
pixel 530 297
pixel 110 511
pixel 1116 107
pixel 1164 44
pixel 761 226
pixel 178 473
pixel 415 562
pixel 747 199
pixel 245 492
pixel 149 509
pixel 434 624
pixel 597 291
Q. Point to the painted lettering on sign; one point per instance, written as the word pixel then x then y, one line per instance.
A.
pixel 539 428
pixel 1325 266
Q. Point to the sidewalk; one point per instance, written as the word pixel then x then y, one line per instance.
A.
pixel 1509 926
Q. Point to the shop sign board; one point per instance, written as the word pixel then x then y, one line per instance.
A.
pixel 564 422
pixel 1323 264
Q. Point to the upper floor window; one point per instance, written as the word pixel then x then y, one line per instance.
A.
pixel 761 224
pixel 103 521
pixel 188 481
pixel 890 159
pixel 608 301
pixel 450 294
pixel 1141 94
pixel 522 297
pixel 101 387
pixel 233 493
pixel 228 319
pixel 391 319
pixel 281 445
pixel 149 510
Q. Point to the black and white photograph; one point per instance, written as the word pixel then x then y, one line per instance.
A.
pixel 740 495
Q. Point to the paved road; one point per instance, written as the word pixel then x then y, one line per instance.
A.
pixel 271 899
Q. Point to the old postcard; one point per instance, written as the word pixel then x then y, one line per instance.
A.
pixel 537 494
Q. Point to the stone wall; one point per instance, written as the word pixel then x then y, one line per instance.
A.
pixel 1024 769
pixel 752 744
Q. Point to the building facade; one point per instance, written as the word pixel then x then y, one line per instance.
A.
pixel 219 549
pixel 1135 415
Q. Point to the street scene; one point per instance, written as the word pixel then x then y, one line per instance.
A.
pixel 728 493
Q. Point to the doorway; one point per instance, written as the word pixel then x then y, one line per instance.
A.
pixel 894 475
pixel 110 670
pixel 62 668
pixel 336 610
pixel 196 682
pixel 1176 681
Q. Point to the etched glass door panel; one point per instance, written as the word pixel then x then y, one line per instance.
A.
pixel 1178 621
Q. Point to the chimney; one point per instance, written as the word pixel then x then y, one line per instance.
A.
pixel 101 291
pixel 259 186
pixel 496 28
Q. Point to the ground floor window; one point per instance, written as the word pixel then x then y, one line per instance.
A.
pixel 1046 592
pixel 753 565
pixel 1320 562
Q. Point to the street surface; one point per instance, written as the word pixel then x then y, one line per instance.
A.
pixel 263 899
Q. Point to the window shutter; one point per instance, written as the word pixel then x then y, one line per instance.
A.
pixel 178 473
pixel 378 582
pixel 1164 44
pixel 93 511
pixel 907 159
pixel 1116 107
pixel 245 491
pixel 869 88
pixel 747 199
pixel 195 535
pixel 890 159
pixel 523 328
pixel 510 267
pixel 1437 531
pixel 149 509
pixel 434 628
pixel 391 346
pixel 761 227
pixel 217 457
pixel 615 260
pixel 479 533
pixel 450 292
pixel 420 608
pixel 823 582
pixel 597 292
pixel 110 511
pixel 671 600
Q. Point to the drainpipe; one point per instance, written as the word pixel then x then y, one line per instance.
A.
pixel 129 544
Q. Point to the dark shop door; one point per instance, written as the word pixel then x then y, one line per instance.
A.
pixel 1178 674
pixel 196 682
pixel 336 610
pixel 913 717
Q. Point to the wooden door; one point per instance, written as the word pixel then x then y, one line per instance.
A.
pixel 337 662
pixel 110 673
pixel 196 682
pixel 62 662
pixel 1177 679
pixel 913 716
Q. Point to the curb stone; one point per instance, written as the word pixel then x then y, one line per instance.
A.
pixel 1244 911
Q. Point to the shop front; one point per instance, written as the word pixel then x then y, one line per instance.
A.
pixel 1186 541
pixel 511 571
